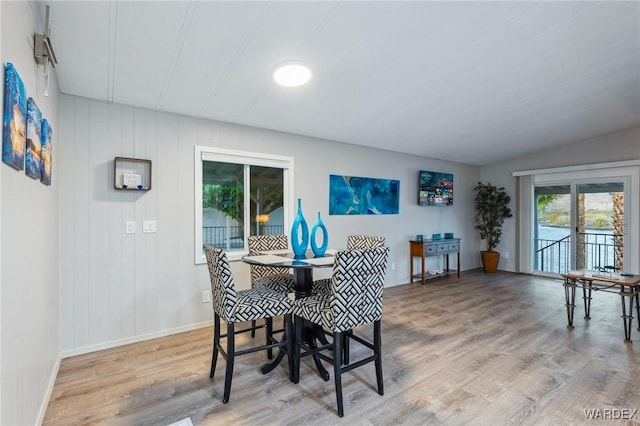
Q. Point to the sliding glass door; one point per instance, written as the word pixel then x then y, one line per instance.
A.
pixel 552 230
pixel 600 226
pixel 579 225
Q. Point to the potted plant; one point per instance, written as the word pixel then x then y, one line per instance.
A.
pixel 492 208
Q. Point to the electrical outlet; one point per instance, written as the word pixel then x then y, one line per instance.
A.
pixel 206 296
pixel 506 254
pixel 148 226
pixel 393 266
pixel 130 227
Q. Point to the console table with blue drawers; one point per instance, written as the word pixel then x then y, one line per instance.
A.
pixel 428 248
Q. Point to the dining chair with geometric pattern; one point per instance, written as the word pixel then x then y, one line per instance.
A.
pixel 235 306
pixel 354 299
pixel 278 279
pixel 357 242
pixel 354 242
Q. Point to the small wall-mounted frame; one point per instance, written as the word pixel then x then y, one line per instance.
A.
pixel 132 174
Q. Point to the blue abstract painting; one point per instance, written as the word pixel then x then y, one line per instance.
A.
pixel 34 136
pixel 45 157
pixel 351 195
pixel 14 119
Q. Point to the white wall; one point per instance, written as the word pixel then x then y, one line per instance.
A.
pixel 616 146
pixel 30 345
pixel 117 288
pixel 1 257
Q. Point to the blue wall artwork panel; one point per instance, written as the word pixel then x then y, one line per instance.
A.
pixel 46 152
pixel 34 133
pixel 351 195
pixel 14 118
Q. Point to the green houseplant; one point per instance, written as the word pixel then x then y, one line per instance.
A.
pixel 492 208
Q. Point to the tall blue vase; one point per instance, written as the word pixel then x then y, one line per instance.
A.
pixel 319 251
pixel 299 244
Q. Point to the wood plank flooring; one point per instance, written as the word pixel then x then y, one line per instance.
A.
pixel 479 349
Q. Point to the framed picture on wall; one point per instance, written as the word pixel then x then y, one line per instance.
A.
pixel 34 132
pixel 352 195
pixel 45 153
pixel 14 118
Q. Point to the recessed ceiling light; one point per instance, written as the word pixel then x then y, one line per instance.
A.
pixel 291 74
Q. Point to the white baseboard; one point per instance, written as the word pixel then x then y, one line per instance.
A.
pixel 134 339
pixel 49 392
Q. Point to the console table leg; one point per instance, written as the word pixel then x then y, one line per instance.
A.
pixel 570 298
pixel 627 319
pixel 638 305
pixel 586 296
pixel 411 268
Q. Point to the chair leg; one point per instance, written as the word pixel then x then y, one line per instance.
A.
pixel 345 347
pixel 253 328
pixel 269 335
pixel 216 343
pixel 288 334
pixel 299 324
pixel 231 352
pixel 337 366
pixel 377 350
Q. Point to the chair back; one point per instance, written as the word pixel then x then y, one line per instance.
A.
pixel 262 243
pixel 357 284
pixel 223 292
pixel 359 242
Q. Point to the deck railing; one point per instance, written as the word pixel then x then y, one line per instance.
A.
pixel 232 237
pixel 553 256
pixel 598 249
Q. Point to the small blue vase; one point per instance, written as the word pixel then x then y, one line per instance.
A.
pixel 319 251
pixel 298 244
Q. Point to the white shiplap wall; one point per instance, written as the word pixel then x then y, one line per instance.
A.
pixel 29 308
pixel 117 288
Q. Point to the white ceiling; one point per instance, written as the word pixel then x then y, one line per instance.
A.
pixel 471 82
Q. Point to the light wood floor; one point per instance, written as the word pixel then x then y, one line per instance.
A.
pixel 479 349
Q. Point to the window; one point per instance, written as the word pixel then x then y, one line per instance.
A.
pixel 238 194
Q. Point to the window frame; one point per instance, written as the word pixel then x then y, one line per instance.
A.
pixel 247 159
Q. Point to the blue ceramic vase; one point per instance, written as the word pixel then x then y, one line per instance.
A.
pixel 319 251
pixel 299 243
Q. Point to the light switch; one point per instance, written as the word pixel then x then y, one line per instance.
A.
pixel 130 227
pixel 148 226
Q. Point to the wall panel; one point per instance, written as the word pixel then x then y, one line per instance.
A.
pixel 30 273
pixel 98 217
pixel 149 284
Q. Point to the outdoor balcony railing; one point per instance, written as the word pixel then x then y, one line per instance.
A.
pixel 595 250
pixel 232 237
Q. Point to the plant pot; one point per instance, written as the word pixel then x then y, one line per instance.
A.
pixel 490 260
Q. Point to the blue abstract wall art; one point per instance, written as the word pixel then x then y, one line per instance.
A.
pixel 14 119
pixel 34 137
pixel 352 195
pixel 46 153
